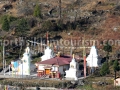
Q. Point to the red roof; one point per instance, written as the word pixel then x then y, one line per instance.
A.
pixel 62 60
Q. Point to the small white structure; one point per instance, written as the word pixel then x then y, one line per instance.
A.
pixel 117 82
pixel 54 67
pixel 24 66
pixel 73 72
pixel 48 54
pixel 93 60
pixel 26 62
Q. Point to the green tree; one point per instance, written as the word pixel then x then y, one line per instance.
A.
pixel 105 69
pixel 22 26
pixel 107 48
pixel 116 67
pixel 48 26
pixel 37 11
pixel 11 18
pixel 5 24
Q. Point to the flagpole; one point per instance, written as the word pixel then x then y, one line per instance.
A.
pixel 41 45
pixel 71 46
pixel 3 57
pixel 17 67
pixel 9 70
pixel 22 69
pixel 5 68
pixel 84 57
pixel 12 70
pixel 47 38
pixel 85 66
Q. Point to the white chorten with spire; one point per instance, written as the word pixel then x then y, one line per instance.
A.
pixel 73 72
pixel 93 60
pixel 48 53
pixel 23 66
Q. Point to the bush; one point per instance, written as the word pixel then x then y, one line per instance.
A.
pixel 111 62
pixel 22 26
pixel 2 18
pixel 5 24
pixel 11 18
pixel 37 11
pixel 36 83
pixel 31 22
pixel 97 72
pixel 49 26
pixel 105 69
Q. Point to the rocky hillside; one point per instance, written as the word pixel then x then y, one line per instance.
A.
pixel 96 19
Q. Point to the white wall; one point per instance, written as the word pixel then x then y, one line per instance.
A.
pixel 40 67
pixel 54 68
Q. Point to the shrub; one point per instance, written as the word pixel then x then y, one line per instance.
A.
pixel 49 26
pixel 37 11
pixel 5 24
pixel 111 62
pixel 22 26
pixel 2 18
pixel 36 83
pixel 105 69
pixel 11 18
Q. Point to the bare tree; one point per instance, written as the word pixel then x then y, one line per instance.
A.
pixel 60 9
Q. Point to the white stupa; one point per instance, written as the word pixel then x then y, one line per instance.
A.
pixel 48 54
pixel 93 60
pixel 26 59
pixel 73 72
pixel 24 66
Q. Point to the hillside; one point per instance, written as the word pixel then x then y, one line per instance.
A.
pixel 66 21
pixel 96 19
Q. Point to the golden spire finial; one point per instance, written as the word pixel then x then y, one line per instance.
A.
pixel 73 55
pixel 58 55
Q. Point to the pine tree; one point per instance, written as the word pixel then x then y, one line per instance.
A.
pixel 37 11
pixel 116 67
pixel 105 69
pixel 5 24
pixel 22 27
pixel 107 48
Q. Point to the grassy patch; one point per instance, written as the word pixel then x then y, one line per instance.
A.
pixel 36 82
pixel 91 83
